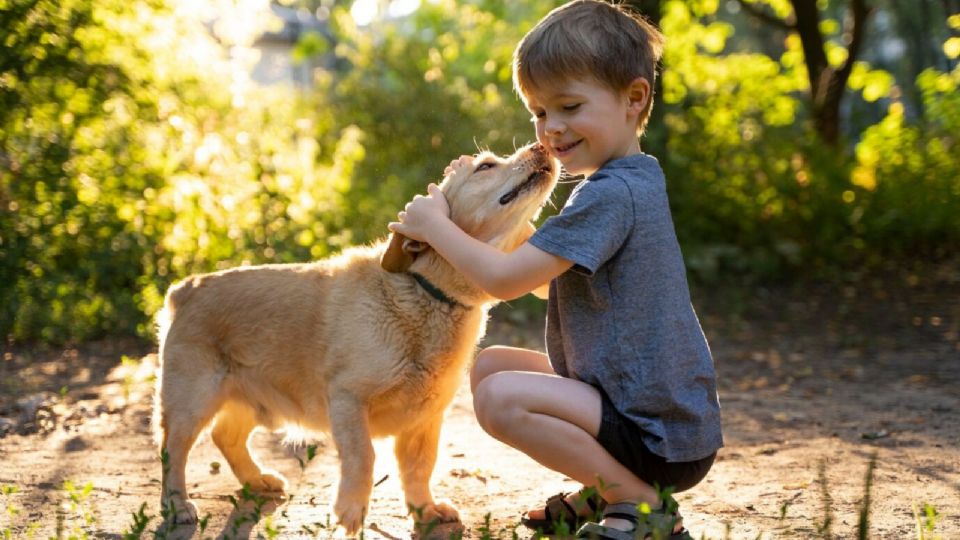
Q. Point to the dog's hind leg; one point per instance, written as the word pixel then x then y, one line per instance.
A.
pixel 231 432
pixel 188 399
pixel 416 452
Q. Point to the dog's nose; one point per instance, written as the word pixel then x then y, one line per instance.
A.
pixel 538 148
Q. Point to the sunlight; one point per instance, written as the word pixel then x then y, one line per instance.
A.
pixel 365 12
pixel 402 8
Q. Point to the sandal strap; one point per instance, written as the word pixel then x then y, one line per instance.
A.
pixel 623 510
pixel 590 496
pixel 558 509
pixel 597 531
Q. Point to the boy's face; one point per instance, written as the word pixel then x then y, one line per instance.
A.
pixel 584 123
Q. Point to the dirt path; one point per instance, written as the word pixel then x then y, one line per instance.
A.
pixel 808 397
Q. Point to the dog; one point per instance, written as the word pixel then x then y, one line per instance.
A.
pixel 371 343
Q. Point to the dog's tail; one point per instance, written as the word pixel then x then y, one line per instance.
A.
pixel 177 296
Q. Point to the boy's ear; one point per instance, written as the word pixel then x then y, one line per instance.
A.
pixel 638 95
pixel 400 254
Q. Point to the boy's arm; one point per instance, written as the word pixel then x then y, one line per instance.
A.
pixel 502 275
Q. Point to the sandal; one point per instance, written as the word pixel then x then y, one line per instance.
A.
pixel 557 511
pixel 656 524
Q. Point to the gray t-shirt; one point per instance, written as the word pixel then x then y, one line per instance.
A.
pixel 621 319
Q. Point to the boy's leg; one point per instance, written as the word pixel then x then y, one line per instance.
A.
pixel 555 420
pixel 499 358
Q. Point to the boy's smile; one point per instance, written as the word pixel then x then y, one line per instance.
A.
pixel 566 149
pixel 586 124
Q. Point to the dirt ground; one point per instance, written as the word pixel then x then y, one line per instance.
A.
pixel 813 384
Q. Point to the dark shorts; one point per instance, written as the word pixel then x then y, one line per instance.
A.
pixel 624 440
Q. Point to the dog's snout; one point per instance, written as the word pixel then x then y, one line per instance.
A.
pixel 540 156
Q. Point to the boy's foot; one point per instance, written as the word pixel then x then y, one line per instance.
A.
pixel 571 509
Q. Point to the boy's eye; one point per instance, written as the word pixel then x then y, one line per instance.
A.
pixel 485 165
pixel 571 107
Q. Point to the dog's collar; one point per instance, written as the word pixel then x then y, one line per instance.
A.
pixel 435 292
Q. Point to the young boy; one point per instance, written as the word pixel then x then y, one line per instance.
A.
pixel 625 398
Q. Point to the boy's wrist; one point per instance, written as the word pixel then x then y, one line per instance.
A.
pixel 436 227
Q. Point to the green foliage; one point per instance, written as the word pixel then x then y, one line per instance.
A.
pixel 67 111
pixel 422 92
pixel 134 151
pixel 908 174
pixel 757 195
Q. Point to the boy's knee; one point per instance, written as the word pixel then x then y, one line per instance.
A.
pixel 483 366
pixel 496 412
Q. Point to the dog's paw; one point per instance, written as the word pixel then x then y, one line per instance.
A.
pixel 349 515
pixel 439 512
pixel 267 482
pixel 179 510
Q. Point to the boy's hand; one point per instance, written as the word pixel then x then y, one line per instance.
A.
pixel 421 215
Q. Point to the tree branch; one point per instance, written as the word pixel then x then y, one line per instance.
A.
pixel 765 16
pixel 860 11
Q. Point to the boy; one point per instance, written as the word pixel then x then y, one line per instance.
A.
pixel 625 398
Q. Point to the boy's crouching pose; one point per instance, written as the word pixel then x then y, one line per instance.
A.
pixel 625 398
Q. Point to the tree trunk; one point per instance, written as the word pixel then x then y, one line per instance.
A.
pixel 827 84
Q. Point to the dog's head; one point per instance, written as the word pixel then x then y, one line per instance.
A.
pixel 492 198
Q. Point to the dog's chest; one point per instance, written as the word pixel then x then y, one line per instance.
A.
pixel 425 377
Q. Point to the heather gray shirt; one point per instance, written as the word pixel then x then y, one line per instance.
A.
pixel 620 319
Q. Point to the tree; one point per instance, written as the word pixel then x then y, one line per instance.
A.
pixel 827 82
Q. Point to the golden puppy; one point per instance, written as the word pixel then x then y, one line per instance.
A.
pixel 354 345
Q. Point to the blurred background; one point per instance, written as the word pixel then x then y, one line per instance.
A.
pixel 806 143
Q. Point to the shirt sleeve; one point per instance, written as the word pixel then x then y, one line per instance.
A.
pixel 592 226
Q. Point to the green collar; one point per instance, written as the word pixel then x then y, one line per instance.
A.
pixel 435 292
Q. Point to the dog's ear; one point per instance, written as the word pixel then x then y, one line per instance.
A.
pixel 401 253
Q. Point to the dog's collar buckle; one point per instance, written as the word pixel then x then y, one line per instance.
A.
pixel 435 292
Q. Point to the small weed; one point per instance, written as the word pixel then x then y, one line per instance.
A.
pixel 270 530
pixel 863 524
pixel 824 528
pixel 927 522
pixel 78 505
pixel 247 496
pixel 9 508
pixel 139 526
pixel 311 453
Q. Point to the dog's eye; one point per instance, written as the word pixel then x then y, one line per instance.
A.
pixel 485 165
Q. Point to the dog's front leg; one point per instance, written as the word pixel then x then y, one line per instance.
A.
pixel 351 434
pixel 416 452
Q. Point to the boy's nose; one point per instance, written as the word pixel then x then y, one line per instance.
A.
pixel 554 127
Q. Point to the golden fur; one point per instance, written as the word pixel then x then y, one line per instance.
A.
pixel 340 345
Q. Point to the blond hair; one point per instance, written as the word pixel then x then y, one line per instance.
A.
pixel 589 38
